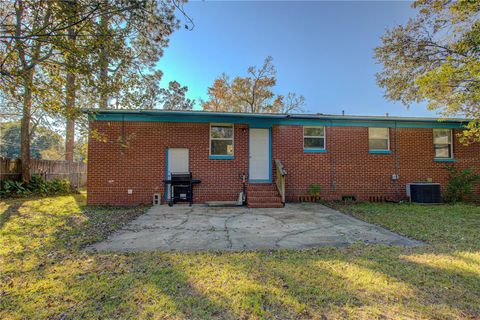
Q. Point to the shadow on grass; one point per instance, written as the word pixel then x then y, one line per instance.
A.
pixel 231 280
pixel 455 288
pixel 8 211
pixel 129 286
pixel 372 282
pixel 46 274
pixel 14 204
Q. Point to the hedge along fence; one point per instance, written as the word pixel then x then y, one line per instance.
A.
pixel 75 172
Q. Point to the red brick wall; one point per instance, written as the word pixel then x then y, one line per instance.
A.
pixel 141 167
pixel 346 169
pixel 349 169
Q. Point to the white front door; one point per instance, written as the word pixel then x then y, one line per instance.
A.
pixel 177 162
pixel 259 155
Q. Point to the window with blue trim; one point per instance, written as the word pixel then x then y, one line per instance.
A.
pixel 221 140
pixel 314 138
pixel 442 143
pixel 379 139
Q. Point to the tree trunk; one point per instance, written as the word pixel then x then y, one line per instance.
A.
pixel 103 85
pixel 70 106
pixel 103 63
pixel 25 125
pixel 70 101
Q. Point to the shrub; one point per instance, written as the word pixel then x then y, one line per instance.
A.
pixel 460 184
pixel 59 186
pixel 10 187
pixel 314 190
pixel 37 185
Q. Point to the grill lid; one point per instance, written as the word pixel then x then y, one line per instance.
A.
pixel 177 177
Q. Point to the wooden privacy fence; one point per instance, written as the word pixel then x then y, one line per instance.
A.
pixel 75 172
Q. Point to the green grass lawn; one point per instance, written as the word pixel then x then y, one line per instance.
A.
pixel 45 273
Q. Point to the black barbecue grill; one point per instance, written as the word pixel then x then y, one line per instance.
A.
pixel 181 187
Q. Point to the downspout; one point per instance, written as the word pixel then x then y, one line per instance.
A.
pixel 123 131
pixel 332 161
pixel 246 171
pixel 166 174
pixel 395 181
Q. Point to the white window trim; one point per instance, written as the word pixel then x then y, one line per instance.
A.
pixel 210 139
pixel 388 140
pixel 317 137
pixel 451 145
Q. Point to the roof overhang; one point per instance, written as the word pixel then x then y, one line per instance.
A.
pixel 270 119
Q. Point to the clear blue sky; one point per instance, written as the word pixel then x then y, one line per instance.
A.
pixel 322 50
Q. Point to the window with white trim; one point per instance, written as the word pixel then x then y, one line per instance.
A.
pixel 442 143
pixel 379 139
pixel 314 138
pixel 221 139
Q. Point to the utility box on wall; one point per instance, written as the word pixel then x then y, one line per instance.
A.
pixel 424 192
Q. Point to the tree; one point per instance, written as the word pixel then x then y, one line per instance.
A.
pixel 435 57
pixel 81 148
pixel 10 140
pixel 20 60
pixel 253 93
pixel 83 51
pixel 287 104
pixel 46 144
pixel 174 97
pixel 126 54
pixel 220 95
pixel 119 66
pixel 71 9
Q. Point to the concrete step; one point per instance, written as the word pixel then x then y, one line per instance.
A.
pixel 265 205
pixel 256 199
pixel 263 193
pixel 261 187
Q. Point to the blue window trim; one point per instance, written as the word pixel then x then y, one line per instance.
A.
pixel 220 157
pixel 315 150
pixel 269 180
pixel 380 151
pixel 444 160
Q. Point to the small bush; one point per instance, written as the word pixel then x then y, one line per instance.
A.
pixel 10 187
pixel 37 185
pixel 460 184
pixel 314 190
pixel 59 186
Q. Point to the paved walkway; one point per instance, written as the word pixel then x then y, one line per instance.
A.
pixel 239 228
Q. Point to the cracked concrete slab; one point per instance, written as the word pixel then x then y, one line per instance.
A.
pixel 199 228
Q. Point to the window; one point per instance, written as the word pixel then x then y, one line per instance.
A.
pixel 314 138
pixel 442 143
pixel 221 140
pixel 378 139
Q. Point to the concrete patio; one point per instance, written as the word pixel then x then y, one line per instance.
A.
pixel 239 228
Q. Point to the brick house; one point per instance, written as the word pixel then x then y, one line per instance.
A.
pixel 369 158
